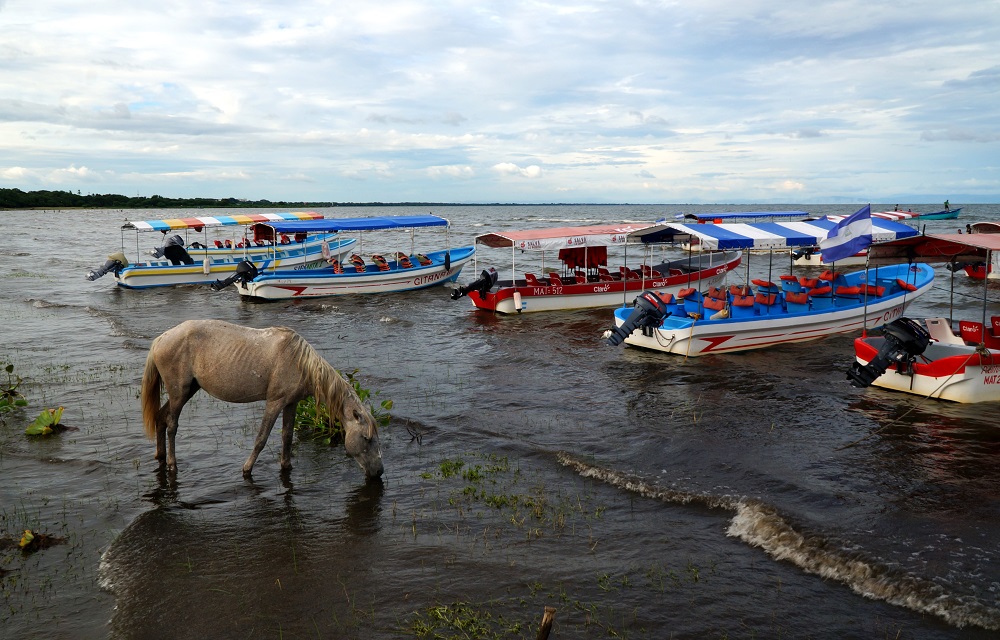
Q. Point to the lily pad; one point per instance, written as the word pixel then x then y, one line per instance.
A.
pixel 47 422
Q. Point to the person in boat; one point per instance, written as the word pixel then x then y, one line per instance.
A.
pixel 968 228
pixel 947 206
pixel 896 208
pixel 173 250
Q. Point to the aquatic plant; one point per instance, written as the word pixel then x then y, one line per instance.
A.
pixel 10 397
pixel 46 423
pixel 313 419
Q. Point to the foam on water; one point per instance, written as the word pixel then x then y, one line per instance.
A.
pixel 761 525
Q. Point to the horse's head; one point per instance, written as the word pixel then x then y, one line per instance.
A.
pixel 361 436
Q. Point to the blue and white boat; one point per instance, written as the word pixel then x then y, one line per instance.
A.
pixel 211 247
pixel 396 266
pixel 759 313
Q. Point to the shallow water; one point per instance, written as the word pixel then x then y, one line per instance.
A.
pixel 750 495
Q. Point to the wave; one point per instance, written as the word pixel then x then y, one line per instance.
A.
pixel 761 525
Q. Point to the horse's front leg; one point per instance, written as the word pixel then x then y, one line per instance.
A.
pixel 271 410
pixel 287 431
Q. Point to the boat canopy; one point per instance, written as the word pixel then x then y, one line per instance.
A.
pixel 729 215
pixel 937 247
pixel 762 235
pixel 201 222
pixel 357 224
pixel 562 237
pixel 985 227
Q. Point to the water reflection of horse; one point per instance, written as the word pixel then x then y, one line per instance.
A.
pixel 240 364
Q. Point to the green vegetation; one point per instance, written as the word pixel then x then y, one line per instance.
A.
pixel 312 419
pixel 10 397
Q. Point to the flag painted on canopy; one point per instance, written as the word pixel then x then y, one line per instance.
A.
pixel 851 235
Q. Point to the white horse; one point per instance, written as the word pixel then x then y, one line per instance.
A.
pixel 240 364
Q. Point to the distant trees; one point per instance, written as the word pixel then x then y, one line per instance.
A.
pixel 17 199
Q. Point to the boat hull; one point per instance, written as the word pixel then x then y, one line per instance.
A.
pixel 945 371
pixel 590 295
pixel 772 326
pixel 209 266
pixel 318 283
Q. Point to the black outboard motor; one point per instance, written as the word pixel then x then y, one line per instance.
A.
pixel 115 263
pixel 245 272
pixel 904 341
pixel 804 252
pixel 649 313
pixel 483 284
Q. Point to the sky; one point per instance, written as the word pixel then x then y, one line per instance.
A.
pixel 475 101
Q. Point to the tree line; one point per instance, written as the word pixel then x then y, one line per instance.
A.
pixel 17 199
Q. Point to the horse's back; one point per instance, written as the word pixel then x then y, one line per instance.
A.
pixel 231 362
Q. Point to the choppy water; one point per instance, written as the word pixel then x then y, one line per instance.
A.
pixel 637 493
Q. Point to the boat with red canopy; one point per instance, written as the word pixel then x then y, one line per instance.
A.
pixel 935 357
pixel 584 274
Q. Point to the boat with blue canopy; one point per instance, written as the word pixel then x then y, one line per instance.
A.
pixel 764 312
pixel 202 249
pixel 396 266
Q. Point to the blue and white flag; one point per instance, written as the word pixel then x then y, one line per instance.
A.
pixel 851 235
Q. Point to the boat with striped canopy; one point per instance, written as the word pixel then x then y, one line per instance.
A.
pixel 212 246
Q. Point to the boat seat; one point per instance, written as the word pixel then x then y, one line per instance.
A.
pixel 335 264
pixel 741 307
pixel 821 298
pixel 229 244
pixel 717 293
pixel 905 286
pixel 764 286
pixel 829 276
pixel 714 304
pixel 972 334
pixel 604 274
pixel 790 283
pixel 607 277
pixel 940 330
pixel 380 262
pixel 403 260
pixel 735 290
pixel 650 272
pixel 554 279
pixel 995 323
pixel 629 274
pixel 285 239
pixel 358 262
pixel 423 260
pixel 871 290
pixel 765 303
pixel 846 296
pixel 667 298
pixel 676 272
pixel 796 301
pixel 532 280
pixel 218 244
pixel 809 283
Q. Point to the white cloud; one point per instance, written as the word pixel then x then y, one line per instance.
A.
pixel 362 101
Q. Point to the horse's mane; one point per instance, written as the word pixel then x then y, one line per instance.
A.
pixel 329 387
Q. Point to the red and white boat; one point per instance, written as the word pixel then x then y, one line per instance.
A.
pixel 929 357
pixel 983 270
pixel 580 277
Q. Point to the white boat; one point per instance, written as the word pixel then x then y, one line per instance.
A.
pixel 984 269
pixel 580 277
pixel 929 357
pixel 392 270
pixel 213 247
pixel 813 256
pixel 798 309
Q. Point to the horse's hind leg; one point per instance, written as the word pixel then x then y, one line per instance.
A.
pixel 166 428
pixel 271 410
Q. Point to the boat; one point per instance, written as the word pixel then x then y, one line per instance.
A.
pixel 935 357
pixel 582 279
pixel 387 272
pixel 911 215
pixel 213 247
pixel 982 270
pixel 734 216
pixel 744 317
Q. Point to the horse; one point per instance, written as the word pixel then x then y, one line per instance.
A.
pixel 241 364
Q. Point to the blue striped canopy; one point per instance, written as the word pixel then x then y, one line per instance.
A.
pixel 357 224
pixel 737 215
pixel 762 235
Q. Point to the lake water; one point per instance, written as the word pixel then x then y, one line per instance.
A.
pixel 528 464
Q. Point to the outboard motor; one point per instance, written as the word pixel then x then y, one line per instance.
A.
pixel 245 272
pixel 804 252
pixel 649 313
pixel 116 262
pixel 904 341
pixel 483 284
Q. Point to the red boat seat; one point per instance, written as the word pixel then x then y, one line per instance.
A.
pixel 337 267
pixel 423 260
pixel 380 262
pixel 607 277
pixel 218 243
pixel 906 286
pixel 403 260
pixel 871 290
pixel 687 292
pixel 554 279
pixel 714 304
pixel 735 290
pixel 667 298
pixel 717 293
pixel 358 262
pixel 829 276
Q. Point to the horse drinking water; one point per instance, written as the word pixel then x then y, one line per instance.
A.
pixel 240 364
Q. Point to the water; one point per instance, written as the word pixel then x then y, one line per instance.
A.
pixel 527 465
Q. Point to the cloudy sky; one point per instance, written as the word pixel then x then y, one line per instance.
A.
pixel 641 101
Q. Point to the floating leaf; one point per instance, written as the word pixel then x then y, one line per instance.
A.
pixel 46 421
pixel 26 539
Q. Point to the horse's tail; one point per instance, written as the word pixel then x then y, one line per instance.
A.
pixel 151 386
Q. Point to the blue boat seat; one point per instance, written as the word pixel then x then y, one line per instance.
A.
pixel 741 307
pixel 821 298
pixel 797 302
pixel 766 304
pixel 846 296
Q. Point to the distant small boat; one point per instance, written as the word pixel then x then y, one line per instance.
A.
pixel 909 214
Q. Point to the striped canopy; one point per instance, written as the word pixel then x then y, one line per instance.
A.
pixel 762 235
pixel 331 225
pixel 562 237
pixel 738 215
pixel 201 222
